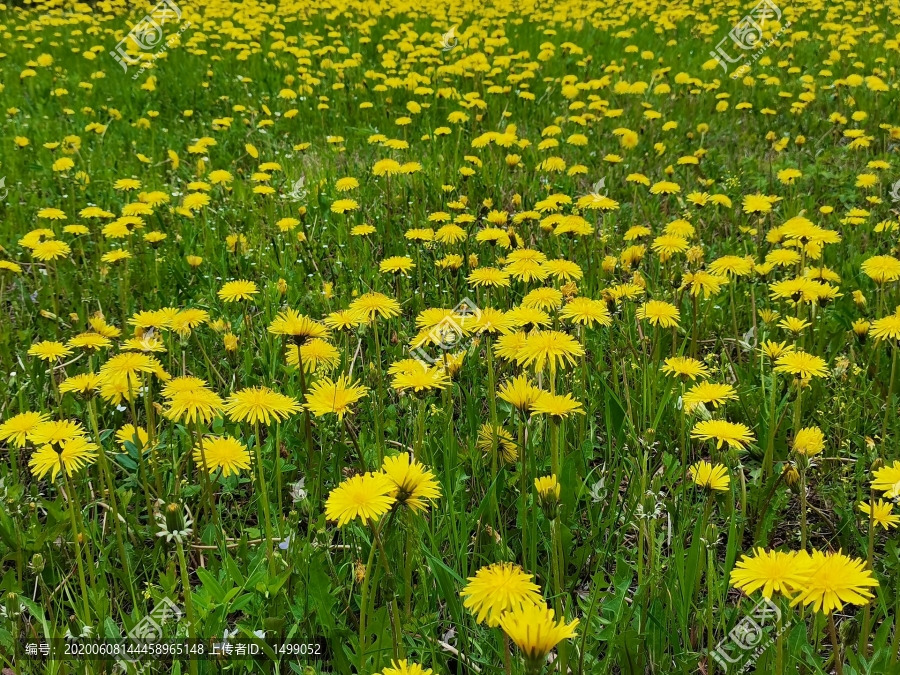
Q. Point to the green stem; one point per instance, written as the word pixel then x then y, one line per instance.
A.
pixel 532 472
pixel 407 569
pixel 707 510
pixel 379 432
pixel 204 473
pixel 734 317
pixel 188 601
pixel 113 501
pixel 694 326
pixel 507 661
pixel 554 448
pixel 895 644
pixel 209 365
pixel 523 489
pixel 151 432
pixel 142 465
pixel 838 657
pixel 803 523
pixel 307 425
pixel 492 399
pixel 889 404
pixel 264 498
pixel 558 583
pixel 870 556
pixel 363 605
pixel 420 429
pixel 798 407
pixel 278 486
pixel 86 619
pixel 395 629
pixel 769 459
pixel 710 588
pixel 779 647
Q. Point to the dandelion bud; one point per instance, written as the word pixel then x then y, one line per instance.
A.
pixel 173 515
pixel 791 475
pixel 12 604
pixel 37 563
pixel 548 495
pixel 282 286
pixel 877 464
pixel 849 632
pixel 173 523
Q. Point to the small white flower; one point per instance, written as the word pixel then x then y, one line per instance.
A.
pixel 298 490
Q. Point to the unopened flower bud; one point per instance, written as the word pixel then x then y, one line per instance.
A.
pixel 548 495
pixel 791 475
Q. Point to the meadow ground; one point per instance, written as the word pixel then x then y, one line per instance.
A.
pixel 457 338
